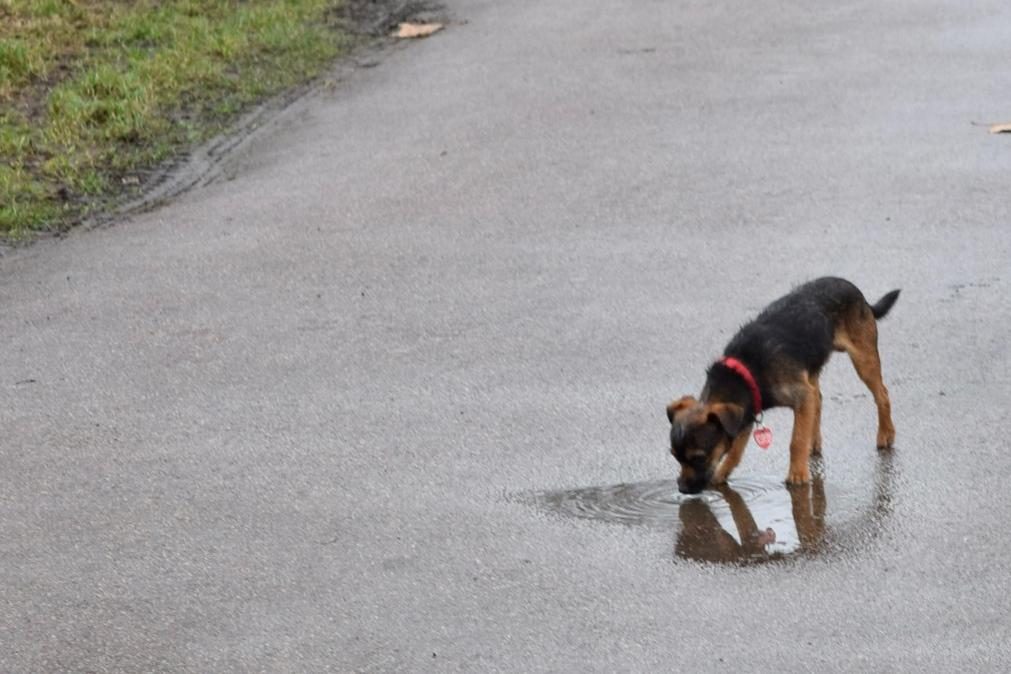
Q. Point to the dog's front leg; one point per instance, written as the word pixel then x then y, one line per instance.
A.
pixel 804 415
pixel 733 456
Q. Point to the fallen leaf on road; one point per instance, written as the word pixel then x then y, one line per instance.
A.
pixel 1000 128
pixel 417 29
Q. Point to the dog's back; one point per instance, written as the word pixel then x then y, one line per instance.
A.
pixel 802 326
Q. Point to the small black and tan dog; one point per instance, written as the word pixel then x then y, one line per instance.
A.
pixel 774 361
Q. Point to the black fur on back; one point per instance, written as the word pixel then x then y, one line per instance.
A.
pixel 793 334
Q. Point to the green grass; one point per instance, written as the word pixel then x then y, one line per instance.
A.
pixel 93 92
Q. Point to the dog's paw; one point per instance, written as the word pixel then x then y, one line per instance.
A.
pixel 886 439
pixel 798 476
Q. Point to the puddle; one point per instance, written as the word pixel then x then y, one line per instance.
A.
pixel 751 520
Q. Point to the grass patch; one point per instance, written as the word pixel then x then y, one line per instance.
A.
pixel 93 92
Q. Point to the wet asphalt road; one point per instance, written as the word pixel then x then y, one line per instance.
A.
pixel 341 409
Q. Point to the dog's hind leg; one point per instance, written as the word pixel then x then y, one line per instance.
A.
pixel 859 339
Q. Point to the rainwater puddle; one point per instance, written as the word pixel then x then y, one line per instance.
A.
pixel 751 520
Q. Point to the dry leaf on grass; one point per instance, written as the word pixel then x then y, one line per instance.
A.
pixel 417 29
pixel 1000 128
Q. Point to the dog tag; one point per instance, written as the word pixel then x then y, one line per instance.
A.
pixel 763 437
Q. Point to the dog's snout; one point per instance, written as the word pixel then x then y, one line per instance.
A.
pixel 690 486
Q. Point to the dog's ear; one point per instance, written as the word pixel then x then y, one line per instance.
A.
pixel 730 417
pixel 680 404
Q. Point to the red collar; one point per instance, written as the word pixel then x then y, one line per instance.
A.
pixel 742 369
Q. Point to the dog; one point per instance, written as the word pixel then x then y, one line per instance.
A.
pixel 774 361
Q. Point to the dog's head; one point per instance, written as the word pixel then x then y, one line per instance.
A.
pixel 700 434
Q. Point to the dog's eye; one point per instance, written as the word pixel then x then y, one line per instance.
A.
pixel 705 436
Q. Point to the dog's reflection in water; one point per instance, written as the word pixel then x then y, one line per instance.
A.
pixel 752 521
pixel 779 523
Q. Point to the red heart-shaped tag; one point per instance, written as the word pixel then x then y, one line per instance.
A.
pixel 763 437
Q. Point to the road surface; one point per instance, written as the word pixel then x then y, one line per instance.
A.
pixel 366 401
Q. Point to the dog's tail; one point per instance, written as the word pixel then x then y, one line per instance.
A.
pixel 884 305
